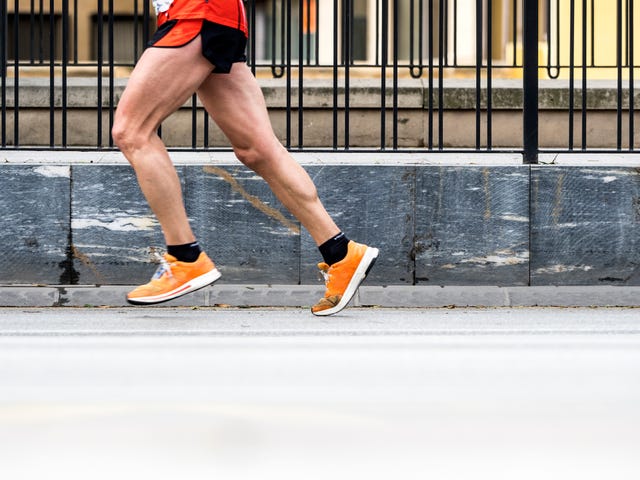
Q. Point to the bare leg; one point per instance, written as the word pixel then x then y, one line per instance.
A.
pixel 236 104
pixel 153 92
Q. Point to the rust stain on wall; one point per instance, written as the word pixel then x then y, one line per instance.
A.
pixel 557 203
pixel 487 193
pixel 252 199
pixel 88 263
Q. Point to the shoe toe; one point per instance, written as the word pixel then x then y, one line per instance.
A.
pixel 326 303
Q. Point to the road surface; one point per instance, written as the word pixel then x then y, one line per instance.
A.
pixel 279 394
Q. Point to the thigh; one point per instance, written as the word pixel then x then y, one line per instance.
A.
pixel 163 79
pixel 236 104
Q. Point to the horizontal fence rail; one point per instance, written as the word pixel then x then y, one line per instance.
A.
pixel 564 56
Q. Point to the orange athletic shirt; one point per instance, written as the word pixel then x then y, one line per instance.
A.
pixel 224 12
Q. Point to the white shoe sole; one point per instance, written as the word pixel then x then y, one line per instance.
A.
pixel 191 286
pixel 368 259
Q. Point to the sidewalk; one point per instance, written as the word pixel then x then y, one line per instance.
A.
pixel 306 295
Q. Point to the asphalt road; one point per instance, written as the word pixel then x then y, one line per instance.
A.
pixel 279 394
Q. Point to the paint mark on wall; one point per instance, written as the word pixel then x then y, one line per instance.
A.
pixel 499 258
pixel 563 269
pixel 116 224
pixel 52 171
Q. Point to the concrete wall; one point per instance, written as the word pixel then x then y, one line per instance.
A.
pixel 416 123
pixel 493 223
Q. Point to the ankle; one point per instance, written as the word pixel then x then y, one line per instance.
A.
pixel 188 252
pixel 334 249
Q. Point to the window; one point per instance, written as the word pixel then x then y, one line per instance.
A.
pixel 33 37
pixel 128 37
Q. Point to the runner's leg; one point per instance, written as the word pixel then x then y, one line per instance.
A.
pixel 236 104
pixel 163 79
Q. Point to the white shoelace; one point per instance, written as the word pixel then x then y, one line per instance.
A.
pixel 323 275
pixel 163 267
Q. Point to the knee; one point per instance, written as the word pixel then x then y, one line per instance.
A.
pixel 259 155
pixel 127 137
pixel 250 157
pixel 121 135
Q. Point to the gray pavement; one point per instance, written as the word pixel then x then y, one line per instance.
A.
pixel 499 393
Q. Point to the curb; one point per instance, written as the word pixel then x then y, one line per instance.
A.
pixel 306 295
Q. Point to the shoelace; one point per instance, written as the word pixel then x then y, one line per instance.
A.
pixel 323 274
pixel 162 268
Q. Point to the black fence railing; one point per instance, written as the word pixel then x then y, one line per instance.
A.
pixel 484 42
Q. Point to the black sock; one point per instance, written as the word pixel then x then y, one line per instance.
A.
pixel 334 249
pixel 189 252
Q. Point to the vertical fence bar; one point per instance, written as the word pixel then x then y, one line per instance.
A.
pixel 631 78
pixel 3 69
pixel 412 28
pixel 65 61
pixel 146 19
pixel 75 32
pixel 445 34
pixel 455 34
pixel 553 71
pixel 194 121
pixel 593 34
pixel 111 72
pixel 301 30
pixel 335 74
pixel 52 73
pixel 16 75
pixel 346 59
pixel 441 35
pixel 396 46
pixel 287 18
pixel 307 29
pixel 416 70
pixel 514 27
pixel 383 73
pixel 252 36
pixel 619 74
pixel 489 74
pixel 316 6
pixel 530 80
pixel 100 60
pixel 205 141
pixel 430 21
pixel 572 65
pixel 479 44
pixel 41 32
pixel 378 8
pixel 136 19
pixel 585 15
pixel 32 31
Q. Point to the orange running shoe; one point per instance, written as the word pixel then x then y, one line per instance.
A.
pixel 174 279
pixel 344 277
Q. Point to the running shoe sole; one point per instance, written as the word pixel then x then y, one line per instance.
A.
pixel 365 265
pixel 188 287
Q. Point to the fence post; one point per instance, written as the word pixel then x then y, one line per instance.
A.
pixel 530 80
pixel 3 72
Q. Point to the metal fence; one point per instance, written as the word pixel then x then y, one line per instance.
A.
pixel 386 41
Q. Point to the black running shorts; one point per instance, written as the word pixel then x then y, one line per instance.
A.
pixel 222 46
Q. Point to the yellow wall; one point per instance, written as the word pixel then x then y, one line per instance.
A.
pixel 86 9
pixel 605 41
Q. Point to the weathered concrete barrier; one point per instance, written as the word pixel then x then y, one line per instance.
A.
pixel 416 122
pixel 73 218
